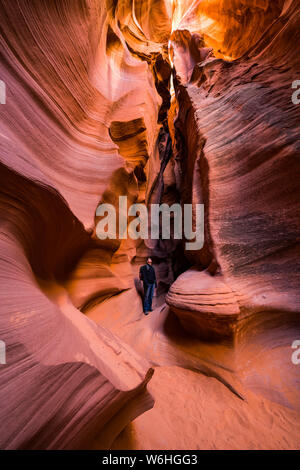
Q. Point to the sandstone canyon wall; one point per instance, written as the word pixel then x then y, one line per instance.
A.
pixel 170 101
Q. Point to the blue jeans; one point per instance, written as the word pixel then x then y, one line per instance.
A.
pixel 148 296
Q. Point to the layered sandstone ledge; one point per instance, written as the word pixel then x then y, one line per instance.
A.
pixel 205 305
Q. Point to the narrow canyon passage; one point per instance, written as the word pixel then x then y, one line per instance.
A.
pixel 170 102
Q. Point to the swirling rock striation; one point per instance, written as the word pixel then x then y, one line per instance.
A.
pixel 236 133
pixel 89 114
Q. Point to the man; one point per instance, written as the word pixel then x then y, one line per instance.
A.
pixel 147 275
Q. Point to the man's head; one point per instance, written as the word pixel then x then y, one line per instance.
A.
pixel 149 261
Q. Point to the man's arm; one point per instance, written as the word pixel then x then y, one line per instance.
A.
pixel 141 274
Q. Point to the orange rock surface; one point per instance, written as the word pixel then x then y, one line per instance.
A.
pixel 163 102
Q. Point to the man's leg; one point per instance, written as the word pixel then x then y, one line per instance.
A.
pixel 151 292
pixel 145 302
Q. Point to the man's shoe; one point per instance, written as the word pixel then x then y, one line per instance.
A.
pixel 146 313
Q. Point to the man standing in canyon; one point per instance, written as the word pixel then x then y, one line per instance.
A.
pixel 147 275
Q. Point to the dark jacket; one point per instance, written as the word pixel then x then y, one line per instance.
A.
pixel 147 274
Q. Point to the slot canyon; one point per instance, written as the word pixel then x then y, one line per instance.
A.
pixel 161 101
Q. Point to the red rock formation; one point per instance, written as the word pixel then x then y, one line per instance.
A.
pixel 236 142
pixel 205 305
pixel 66 68
pixel 67 381
pixel 89 110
